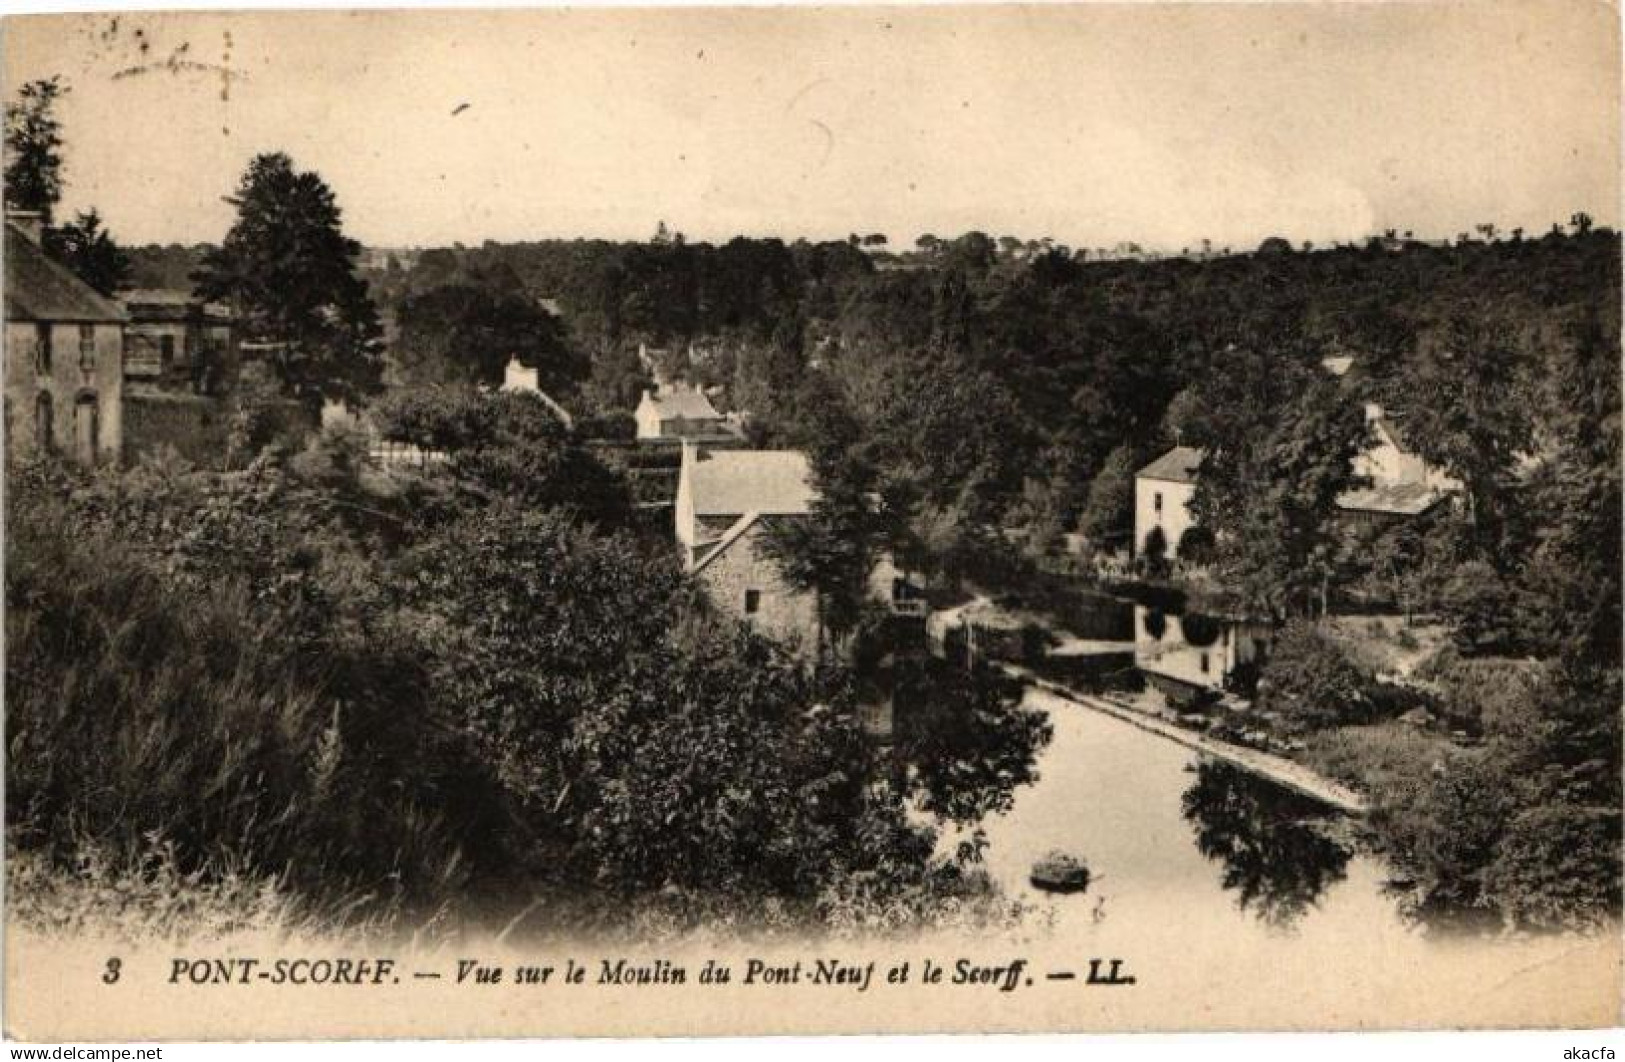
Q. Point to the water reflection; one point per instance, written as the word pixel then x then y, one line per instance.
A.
pixel 1277 864
pixel 1441 917
pixel 964 740
pixel 1192 655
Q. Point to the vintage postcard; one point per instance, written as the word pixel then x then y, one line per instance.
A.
pixel 766 520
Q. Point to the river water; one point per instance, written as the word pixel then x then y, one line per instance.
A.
pixel 1169 833
pixel 1236 904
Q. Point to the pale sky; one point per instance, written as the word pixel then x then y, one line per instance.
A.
pixel 1090 123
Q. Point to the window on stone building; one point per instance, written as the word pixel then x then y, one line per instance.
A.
pixel 753 601
pixel 87 347
pixel 1156 501
pixel 166 348
pixel 1204 663
pixel 44 436
pixel 42 349
pixel 86 428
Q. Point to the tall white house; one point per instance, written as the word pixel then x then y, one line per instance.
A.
pixel 1162 495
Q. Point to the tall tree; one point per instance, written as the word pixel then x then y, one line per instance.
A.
pixel 1280 438
pixel 831 551
pixel 287 269
pixel 85 246
pixel 1465 414
pixel 34 147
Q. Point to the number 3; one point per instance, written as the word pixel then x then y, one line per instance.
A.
pixel 110 975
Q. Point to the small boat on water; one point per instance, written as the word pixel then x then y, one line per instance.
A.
pixel 1059 872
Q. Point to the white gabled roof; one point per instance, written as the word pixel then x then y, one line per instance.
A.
pixel 735 482
pixel 681 402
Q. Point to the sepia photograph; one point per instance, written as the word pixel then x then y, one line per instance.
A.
pixel 778 520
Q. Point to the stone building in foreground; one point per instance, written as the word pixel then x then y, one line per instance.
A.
pixel 64 355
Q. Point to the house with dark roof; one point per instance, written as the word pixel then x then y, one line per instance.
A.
pixel 1162 495
pixel 64 352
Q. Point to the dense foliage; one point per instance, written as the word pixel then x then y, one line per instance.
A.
pixel 476 688
pixel 978 385
pixel 1311 682
pixel 85 246
pixel 466 332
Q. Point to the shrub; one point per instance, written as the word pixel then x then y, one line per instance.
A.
pixel 1380 758
pixel 1155 547
pixel 1487 612
pixel 1311 682
pixel 139 705
pixel 1441 822
pixel 613 425
pixel 1558 867
pixel 1196 545
pixel 1488 694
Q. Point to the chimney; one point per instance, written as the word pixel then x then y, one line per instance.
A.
pixel 30 222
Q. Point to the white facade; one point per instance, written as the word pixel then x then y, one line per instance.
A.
pixel 1163 491
pixel 647 416
pixel 1164 504
pixel 519 377
pixel 677 412
pixel 1387 464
